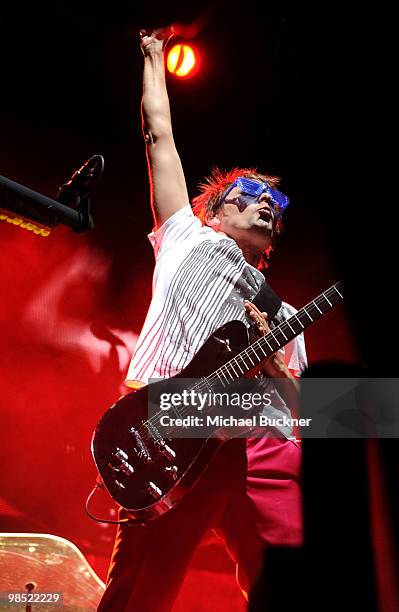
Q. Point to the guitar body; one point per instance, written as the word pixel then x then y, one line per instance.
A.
pixel 148 476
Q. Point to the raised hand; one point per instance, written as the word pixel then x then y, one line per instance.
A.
pixel 154 41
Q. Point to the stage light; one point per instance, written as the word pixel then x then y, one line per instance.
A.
pixel 182 61
pixel 23 223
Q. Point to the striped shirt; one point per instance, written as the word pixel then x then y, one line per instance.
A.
pixel 201 280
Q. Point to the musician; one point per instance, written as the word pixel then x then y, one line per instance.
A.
pixel 206 274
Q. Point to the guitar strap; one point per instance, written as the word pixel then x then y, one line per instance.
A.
pixel 267 301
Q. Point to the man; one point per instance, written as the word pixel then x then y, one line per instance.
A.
pixel 206 275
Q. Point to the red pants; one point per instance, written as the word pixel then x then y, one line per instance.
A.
pixel 251 499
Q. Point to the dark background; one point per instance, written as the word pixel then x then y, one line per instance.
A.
pixel 72 84
pixel 290 89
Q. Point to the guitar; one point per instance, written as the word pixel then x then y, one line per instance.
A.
pixel 147 472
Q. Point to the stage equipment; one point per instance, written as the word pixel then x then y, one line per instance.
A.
pixel 34 565
pixel 33 211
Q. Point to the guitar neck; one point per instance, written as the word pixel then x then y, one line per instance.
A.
pixel 279 336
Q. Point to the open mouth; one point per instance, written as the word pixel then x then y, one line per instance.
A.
pixel 265 214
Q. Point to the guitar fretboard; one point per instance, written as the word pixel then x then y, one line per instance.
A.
pixel 277 338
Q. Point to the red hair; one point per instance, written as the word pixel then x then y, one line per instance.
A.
pixel 214 186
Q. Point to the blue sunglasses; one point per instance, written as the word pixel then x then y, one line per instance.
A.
pixel 251 190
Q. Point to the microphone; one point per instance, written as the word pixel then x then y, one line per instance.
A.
pixel 82 181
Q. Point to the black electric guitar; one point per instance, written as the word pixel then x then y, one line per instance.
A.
pixel 147 472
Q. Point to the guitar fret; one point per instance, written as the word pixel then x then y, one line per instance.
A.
pixel 306 312
pixel 260 346
pixel 317 311
pixel 289 325
pixel 326 298
pixel 268 344
pixel 231 366
pixel 249 357
pixel 320 311
pixel 340 295
pixel 229 373
pixel 221 371
pixel 241 359
pixel 238 365
pixel 275 339
pixel 300 323
pixel 325 307
pixel 281 332
pixel 222 382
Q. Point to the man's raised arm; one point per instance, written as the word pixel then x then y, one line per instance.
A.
pixel 167 182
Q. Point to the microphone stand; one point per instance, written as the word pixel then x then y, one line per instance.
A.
pixel 76 192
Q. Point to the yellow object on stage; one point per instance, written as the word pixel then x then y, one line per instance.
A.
pixel 42 572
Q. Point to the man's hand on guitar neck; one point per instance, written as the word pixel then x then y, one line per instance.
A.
pixel 274 367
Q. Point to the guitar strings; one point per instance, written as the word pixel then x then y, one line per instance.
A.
pixel 285 326
pixel 155 419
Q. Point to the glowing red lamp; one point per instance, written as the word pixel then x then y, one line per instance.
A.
pixel 182 61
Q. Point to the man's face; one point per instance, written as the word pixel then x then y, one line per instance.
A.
pixel 247 217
